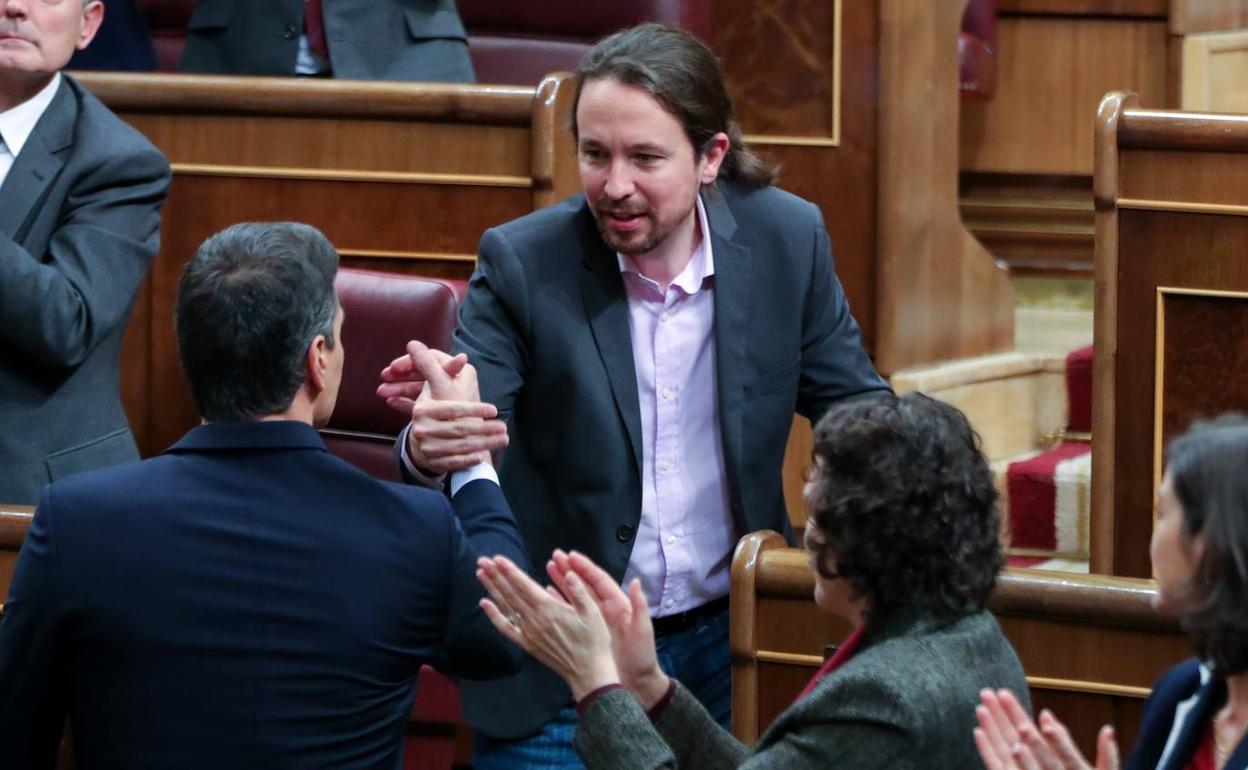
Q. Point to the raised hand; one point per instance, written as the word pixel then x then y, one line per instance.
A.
pixel 565 631
pixel 1008 739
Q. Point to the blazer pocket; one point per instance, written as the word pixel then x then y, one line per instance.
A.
pixel 110 449
pixel 783 380
pixel 211 15
pixel 434 25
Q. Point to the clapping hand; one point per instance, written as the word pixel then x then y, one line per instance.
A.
pixel 1008 739
pixel 628 617
pixel 564 630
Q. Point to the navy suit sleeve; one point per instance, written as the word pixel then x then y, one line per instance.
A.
pixel 835 365
pixel 56 307
pixel 32 684
pixel 484 527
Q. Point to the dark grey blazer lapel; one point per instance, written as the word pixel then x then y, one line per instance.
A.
pixel 732 311
pixel 606 307
pixel 39 162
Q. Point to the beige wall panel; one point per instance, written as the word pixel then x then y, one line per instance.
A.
pixel 1215 72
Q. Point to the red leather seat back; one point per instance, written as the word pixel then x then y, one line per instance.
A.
pixel 166 21
pixel 977 50
pixel 521 42
pixel 383 312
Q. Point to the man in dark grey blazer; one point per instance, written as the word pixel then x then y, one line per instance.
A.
pixel 421 40
pixel 80 199
pixel 647 344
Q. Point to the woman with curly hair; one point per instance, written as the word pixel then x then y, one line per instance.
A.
pixel 903 540
pixel 1197 715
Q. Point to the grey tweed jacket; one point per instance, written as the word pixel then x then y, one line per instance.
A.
pixel 906 699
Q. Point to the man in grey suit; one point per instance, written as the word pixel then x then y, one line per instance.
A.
pixel 80 198
pixel 647 344
pixel 421 40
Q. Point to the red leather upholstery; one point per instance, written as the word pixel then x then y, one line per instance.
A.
pixel 166 21
pixel 977 50
pixel 521 41
pixel 384 311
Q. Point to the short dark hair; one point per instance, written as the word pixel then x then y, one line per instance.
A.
pixel 905 504
pixel 249 303
pixel 1206 466
pixel 684 76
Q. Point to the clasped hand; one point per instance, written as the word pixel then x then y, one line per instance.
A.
pixel 450 428
pixel 583 626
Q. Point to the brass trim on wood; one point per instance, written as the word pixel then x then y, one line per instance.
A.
pixel 834 140
pixel 1141 204
pixel 350 175
pixel 415 255
pixel 1081 685
pixel 788 658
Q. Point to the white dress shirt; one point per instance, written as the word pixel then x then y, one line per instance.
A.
pixel 17 124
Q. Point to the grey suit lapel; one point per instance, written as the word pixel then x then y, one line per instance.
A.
pixel 732 311
pixel 40 160
pixel 606 306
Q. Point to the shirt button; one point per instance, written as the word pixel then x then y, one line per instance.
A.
pixel 668 603
pixel 663 318
pixel 667 394
pixel 671 539
pixel 665 466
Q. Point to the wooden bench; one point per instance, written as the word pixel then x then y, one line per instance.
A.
pixel 1171 313
pixel 1091 646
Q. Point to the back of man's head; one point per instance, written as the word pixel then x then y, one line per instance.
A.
pixel 249 303
pixel 683 75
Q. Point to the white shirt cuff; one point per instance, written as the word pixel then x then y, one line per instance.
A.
pixel 481 470
pixel 419 476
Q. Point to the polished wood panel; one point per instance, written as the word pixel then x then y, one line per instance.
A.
pixel 781 62
pixel 1172 217
pixel 1189 16
pixel 1038 225
pixel 1069 632
pixel 1052 73
pixel 1203 339
pixel 941 294
pixel 1153 8
pixel 14 521
pixel 840 179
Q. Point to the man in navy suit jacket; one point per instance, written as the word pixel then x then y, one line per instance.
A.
pixel 247 600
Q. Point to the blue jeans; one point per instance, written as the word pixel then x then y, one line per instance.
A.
pixel 698 657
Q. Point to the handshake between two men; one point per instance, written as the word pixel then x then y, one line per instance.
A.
pixel 451 429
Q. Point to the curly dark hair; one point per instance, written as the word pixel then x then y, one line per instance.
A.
pixel 1206 466
pixel 904 503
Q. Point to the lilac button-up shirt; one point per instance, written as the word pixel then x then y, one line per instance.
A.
pixel 683 547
